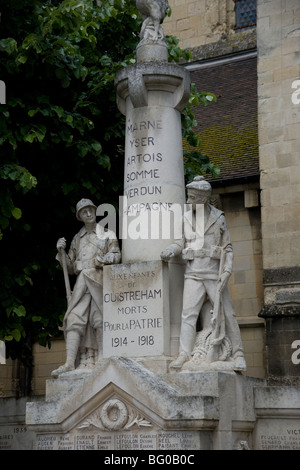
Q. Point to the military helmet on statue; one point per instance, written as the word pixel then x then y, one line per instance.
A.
pixel 83 203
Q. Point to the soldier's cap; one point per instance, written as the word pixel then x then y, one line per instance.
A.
pixel 83 203
pixel 199 184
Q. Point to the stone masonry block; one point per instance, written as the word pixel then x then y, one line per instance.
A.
pixel 291 72
pixel 275 178
pixel 183 24
pixel 195 8
pixel 269 9
pixel 181 11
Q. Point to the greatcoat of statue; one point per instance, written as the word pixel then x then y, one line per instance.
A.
pixel 91 248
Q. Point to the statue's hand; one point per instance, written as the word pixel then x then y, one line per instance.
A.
pixel 223 280
pixel 61 244
pixel 109 258
pixel 167 254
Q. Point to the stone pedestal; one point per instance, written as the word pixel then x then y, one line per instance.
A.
pixel 122 405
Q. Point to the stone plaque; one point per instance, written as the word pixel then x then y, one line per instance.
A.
pixel 95 440
pixel 16 437
pixel 278 434
pixel 135 310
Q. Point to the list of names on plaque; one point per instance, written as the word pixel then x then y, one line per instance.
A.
pixel 152 440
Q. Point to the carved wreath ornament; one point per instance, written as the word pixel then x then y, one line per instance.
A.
pixel 115 416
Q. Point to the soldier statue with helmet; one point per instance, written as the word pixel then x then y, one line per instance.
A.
pixel 91 249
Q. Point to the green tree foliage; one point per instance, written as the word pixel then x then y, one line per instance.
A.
pixel 196 162
pixel 61 139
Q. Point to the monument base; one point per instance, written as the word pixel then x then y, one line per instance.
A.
pixel 123 405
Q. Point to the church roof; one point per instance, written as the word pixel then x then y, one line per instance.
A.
pixel 228 128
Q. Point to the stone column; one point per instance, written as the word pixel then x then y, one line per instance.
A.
pixel 151 94
pixel 278 29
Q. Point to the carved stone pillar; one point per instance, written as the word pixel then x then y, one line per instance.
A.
pixel 151 94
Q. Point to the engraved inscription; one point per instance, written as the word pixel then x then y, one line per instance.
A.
pixel 134 320
pixel 289 440
pixel 143 167
pixel 154 440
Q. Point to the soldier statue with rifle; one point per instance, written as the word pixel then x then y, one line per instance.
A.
pixel 206 247
pixel 91 249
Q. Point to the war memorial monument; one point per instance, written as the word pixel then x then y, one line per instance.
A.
pixel 154 357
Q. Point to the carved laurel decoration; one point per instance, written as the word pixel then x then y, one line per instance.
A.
pixel 136 419
pixel 114 416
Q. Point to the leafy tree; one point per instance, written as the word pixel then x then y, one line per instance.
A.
pixel 61 138
pixel 196 162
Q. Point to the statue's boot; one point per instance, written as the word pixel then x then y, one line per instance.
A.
pixel 179 361
pixel 240 363
pixel 72 345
